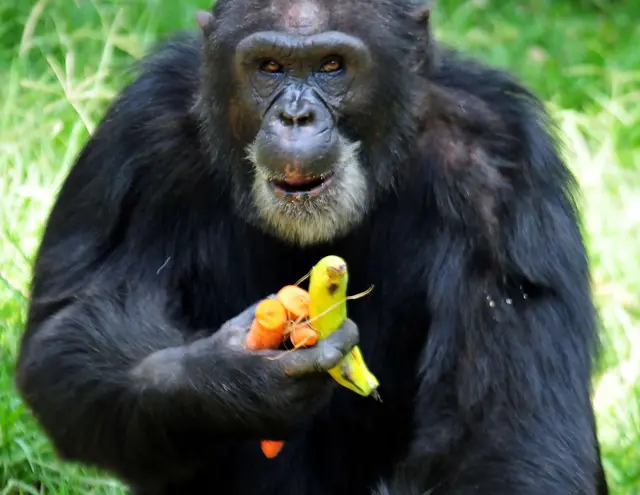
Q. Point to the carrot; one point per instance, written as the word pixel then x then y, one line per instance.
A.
pixel 271 448
pixel 268 326
pixel 267 332
pixel 295 300
pixel 271 315
pixel 260 338
pixel 303 336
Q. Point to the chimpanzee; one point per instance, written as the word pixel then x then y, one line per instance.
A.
pixel 279 132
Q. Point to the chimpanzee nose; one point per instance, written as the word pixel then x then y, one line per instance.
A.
pixel 300 114
pixel 297 132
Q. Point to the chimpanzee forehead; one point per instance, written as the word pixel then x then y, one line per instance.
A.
pixel 310 17
pixel 301 16
pixel 307 17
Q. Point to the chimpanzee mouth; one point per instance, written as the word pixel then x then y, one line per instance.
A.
pixel 302 186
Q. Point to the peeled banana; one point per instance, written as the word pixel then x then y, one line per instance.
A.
pixel 327 311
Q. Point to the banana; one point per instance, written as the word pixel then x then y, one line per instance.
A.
pixel 327 311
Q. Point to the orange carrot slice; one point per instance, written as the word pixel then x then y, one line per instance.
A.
pixel 295 300
pixel 271 315
pixel 261 338
pixel 303 336
pixel 271 448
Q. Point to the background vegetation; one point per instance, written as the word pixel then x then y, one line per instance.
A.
pixel 61 61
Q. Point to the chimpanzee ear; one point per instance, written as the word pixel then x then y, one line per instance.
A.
pixel 205 21
pixel 422 10
pixel 423 55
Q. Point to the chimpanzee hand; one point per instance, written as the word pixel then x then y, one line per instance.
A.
pixel 324 355
pixel 278 389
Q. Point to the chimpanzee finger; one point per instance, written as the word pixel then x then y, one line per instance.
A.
pixel 326 354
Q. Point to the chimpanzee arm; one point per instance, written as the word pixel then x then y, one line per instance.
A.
pixel 81 363
pixel 513 330
pixel 518 418
pixel 114 384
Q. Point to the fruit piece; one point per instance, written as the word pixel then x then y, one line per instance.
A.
pixel 327 312
pixel 271 448
pixel 295 300
pixel 262 338
pixel 303 336
pixel 267 332
pixel 271 315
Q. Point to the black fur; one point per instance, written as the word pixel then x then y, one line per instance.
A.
pixel 481 327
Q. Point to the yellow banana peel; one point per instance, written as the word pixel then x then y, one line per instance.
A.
pixel 327 311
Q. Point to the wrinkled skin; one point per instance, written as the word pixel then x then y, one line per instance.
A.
pixel 298 100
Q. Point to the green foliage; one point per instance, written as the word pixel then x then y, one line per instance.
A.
pixel 62 61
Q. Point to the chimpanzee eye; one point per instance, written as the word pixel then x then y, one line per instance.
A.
pixel 331 64
pixel 271 66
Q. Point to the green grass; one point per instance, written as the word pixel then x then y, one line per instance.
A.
pixel 62 61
